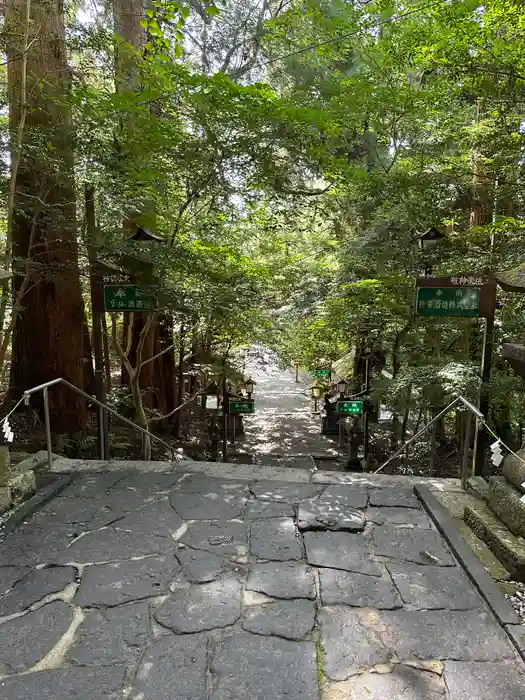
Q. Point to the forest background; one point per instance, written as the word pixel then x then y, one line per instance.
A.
pixel 266 164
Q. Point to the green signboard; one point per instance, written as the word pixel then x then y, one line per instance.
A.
pixel 129 297
pixel 448 301
pixel 246 406
pixel 322 373
pixel 350 408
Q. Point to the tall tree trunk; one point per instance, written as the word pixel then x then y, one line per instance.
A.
pixel 156 391
pixel 89 376
pixel 107 356
pixel 126 17
pixel 480 213
pixel 164 369
pixel 49 332
pixel 145 379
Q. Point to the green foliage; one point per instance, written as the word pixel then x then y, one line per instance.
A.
pixel 429 387
pixel 288 170
pixel 163 22
pixel 421 123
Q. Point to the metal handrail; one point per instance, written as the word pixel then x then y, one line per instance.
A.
pixel 44 388
pixel 458 399
pixel 363 392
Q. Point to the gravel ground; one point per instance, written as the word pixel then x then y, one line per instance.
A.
pixel 517 600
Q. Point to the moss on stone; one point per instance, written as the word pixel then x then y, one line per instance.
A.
pixel 508 548
pixel 5 465
pixel 514 470
pixel 489 560
pixel 320 662
pixel 504 500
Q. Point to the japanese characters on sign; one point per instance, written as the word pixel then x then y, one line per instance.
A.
pixel 442 301
pixel 246 406
pixel 461 295
pixel 115 278
pixel 349 407
pixel 464 281
pixel 129 298
pixel 459 280
pixel 324 373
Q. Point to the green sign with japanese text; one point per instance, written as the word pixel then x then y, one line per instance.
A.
pixel 349 407
pixel 448 301
pixel 322 373
pixel 129 297
pixel 246 406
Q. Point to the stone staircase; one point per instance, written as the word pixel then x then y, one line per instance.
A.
pixel 17 476
pixel 500 521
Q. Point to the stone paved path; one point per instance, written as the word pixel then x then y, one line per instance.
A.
pixel 284 425
pixel 170 586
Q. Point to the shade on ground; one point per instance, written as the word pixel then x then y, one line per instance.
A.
pixel 163 603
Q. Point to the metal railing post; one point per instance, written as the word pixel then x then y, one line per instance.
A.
pixel 47 420
pixel 102 407
pixel 470 407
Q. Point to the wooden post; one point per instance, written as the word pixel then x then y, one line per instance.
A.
pixel 234 426
pixel 354 442
pixel 225 407
pixel 482 436
pixel 214 439
pixel 180 383
pixel 366 409
pixel 466 449
pixel 433 449
pixel 97 311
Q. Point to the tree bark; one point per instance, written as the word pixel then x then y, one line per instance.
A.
pixel 154 380
pixel 49 333
pixel 107 356
pixel 164 368
pixel 126 17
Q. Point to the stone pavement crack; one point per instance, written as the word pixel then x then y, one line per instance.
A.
pixel 210 649
pixel 245 607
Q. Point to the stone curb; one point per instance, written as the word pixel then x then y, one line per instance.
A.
pixel 486 587
pixel 29 507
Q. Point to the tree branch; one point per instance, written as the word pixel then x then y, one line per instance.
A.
pixel 257 38
pixel 306 193
pixel 189 199
pixel 142 341
pixel 156 357
pixel 176 410
pixel 118 347
pixel 129 340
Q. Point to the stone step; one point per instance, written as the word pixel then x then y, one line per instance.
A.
pixel 455 504
pixel 5 465
pixel 514 470
pixel 509 549
pixel 504 501
pixel 478 486
pixel 5 499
